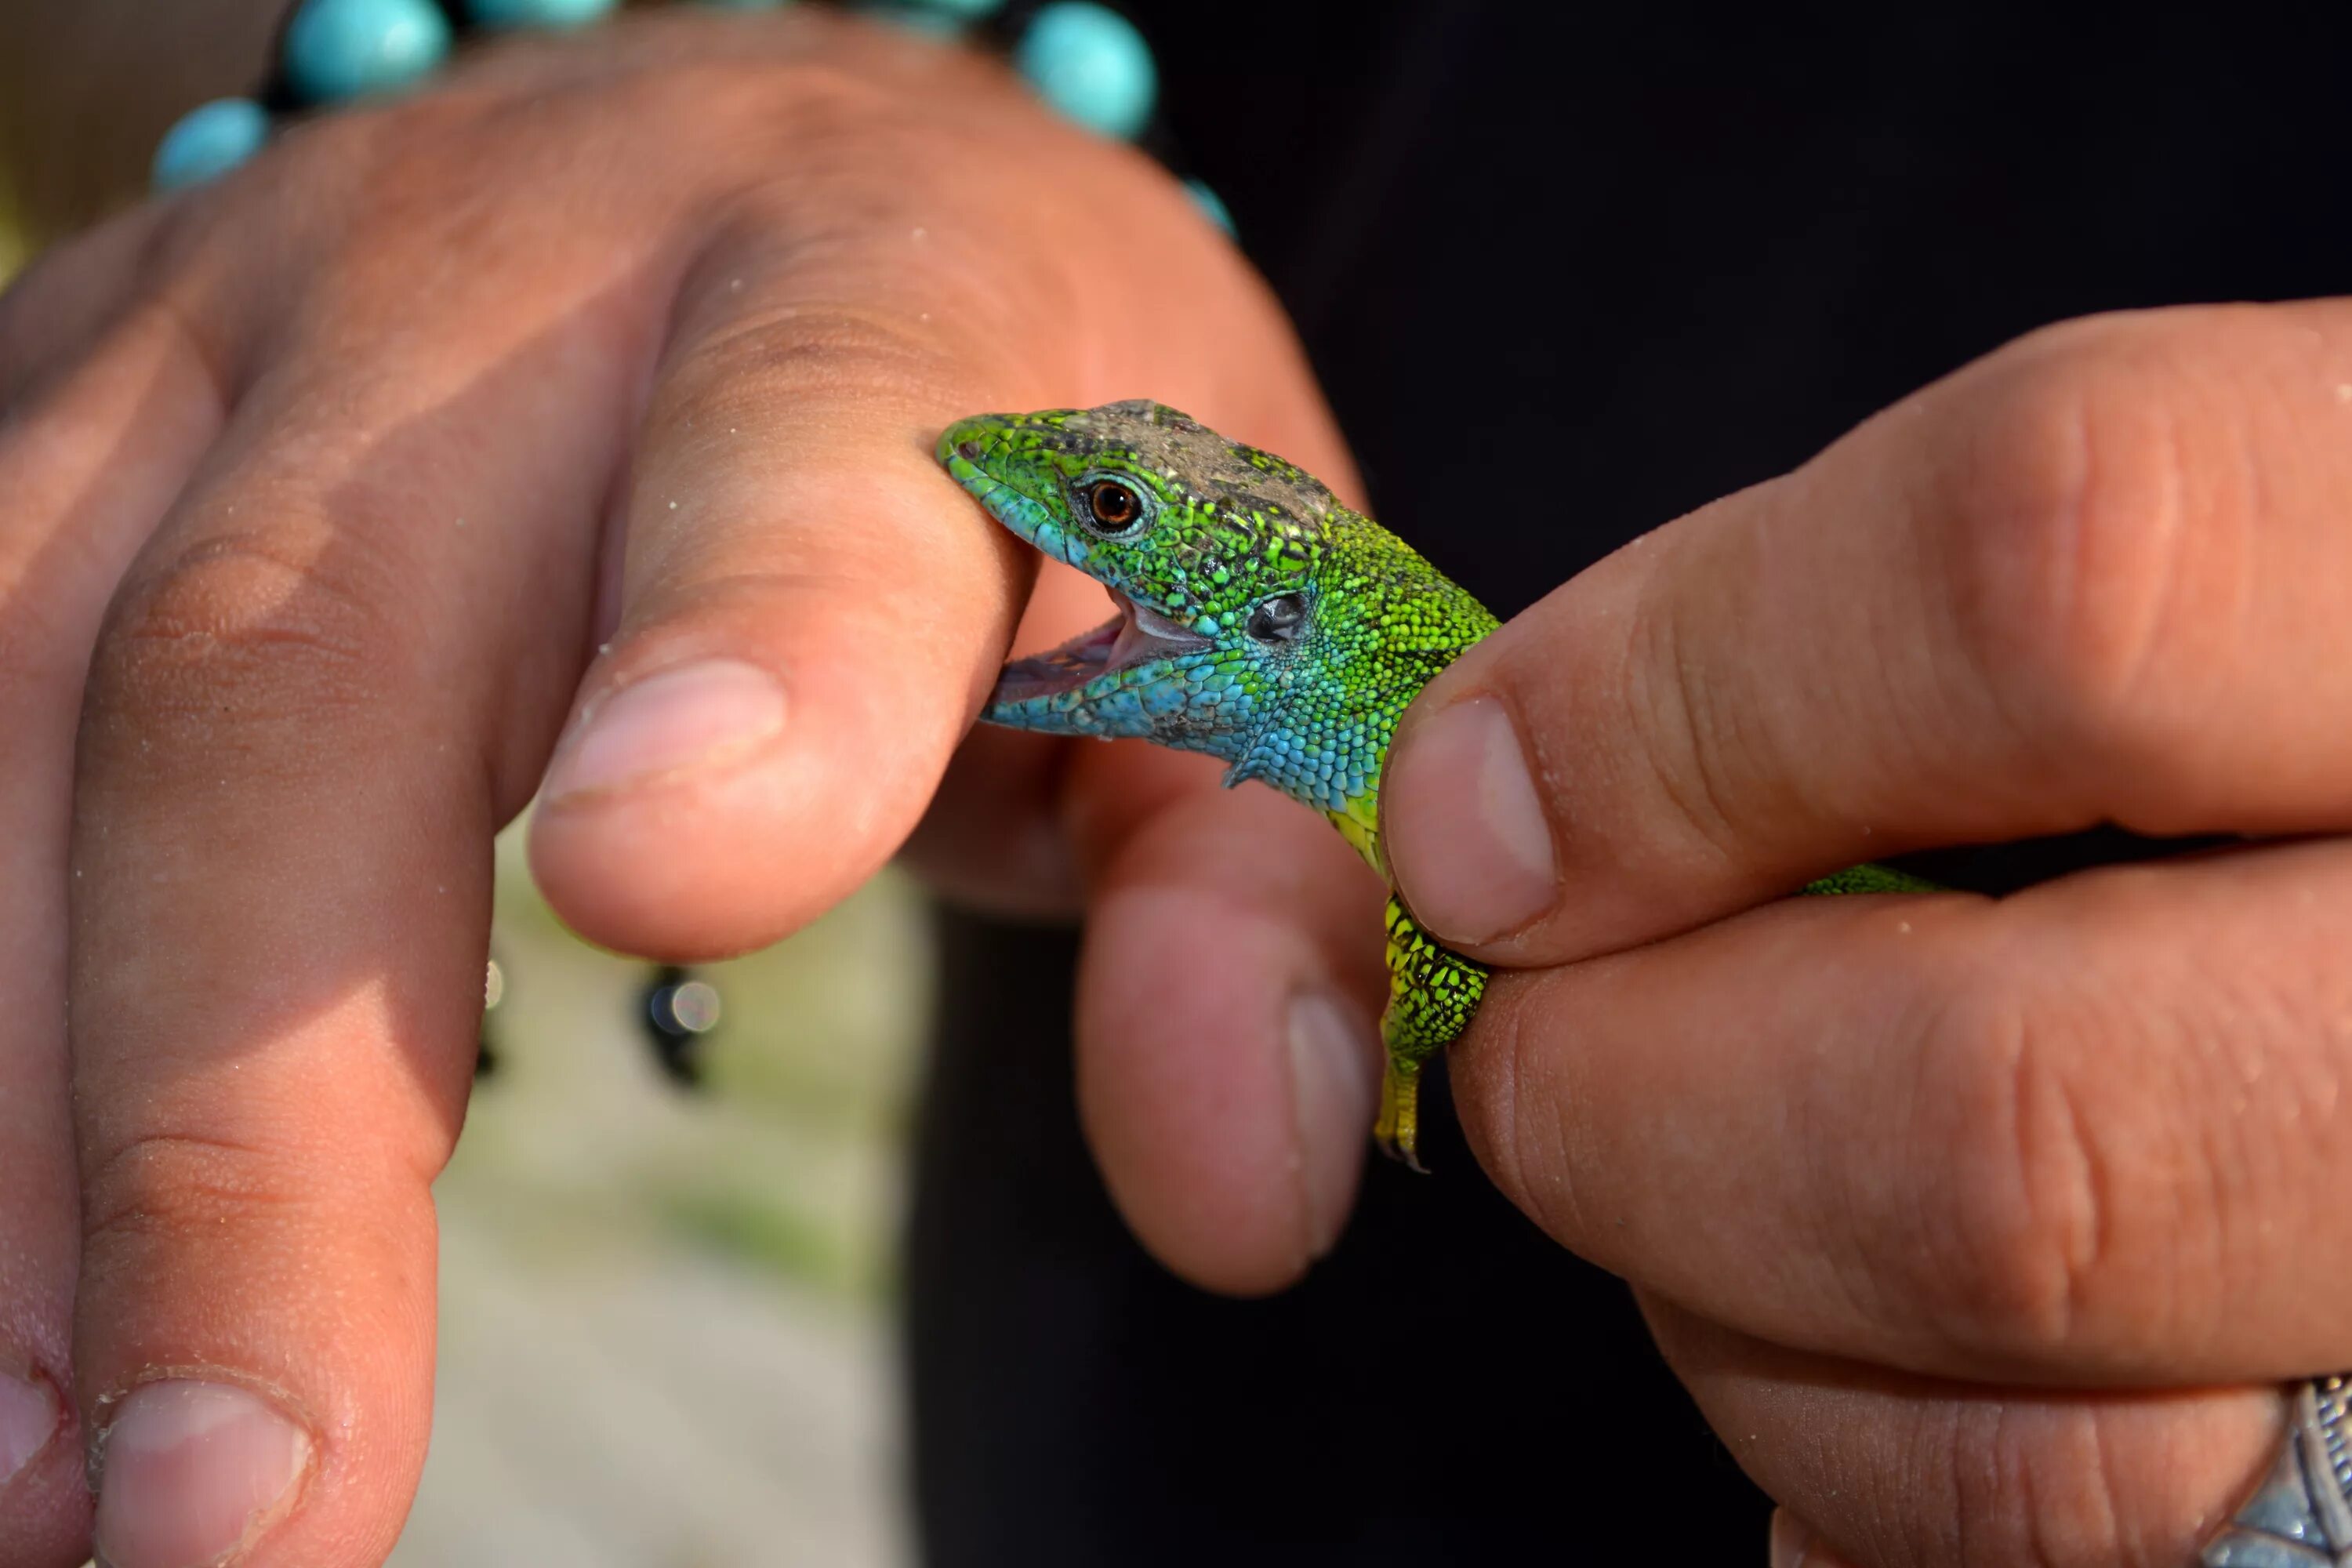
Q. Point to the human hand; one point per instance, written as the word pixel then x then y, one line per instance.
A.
pixel 1982 1231
pixel 308 474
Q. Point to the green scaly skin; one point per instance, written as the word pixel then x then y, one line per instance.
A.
pixel 1261 622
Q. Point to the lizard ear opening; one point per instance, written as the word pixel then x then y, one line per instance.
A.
pixel 1280 619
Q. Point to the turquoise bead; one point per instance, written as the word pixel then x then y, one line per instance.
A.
pixel 1209 202
pixel 343 48
pixel 208 141
pixel 1089 62
pixel 537 13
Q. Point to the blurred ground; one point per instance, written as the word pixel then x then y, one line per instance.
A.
pixel 664 1317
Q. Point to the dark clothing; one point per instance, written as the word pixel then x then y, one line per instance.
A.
pixel 1567 272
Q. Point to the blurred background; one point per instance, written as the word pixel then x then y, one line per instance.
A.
pixel 666 1315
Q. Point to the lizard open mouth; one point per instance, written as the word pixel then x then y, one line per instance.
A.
pixel 1138 634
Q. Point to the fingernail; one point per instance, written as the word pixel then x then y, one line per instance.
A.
pixel 28 1419
pixel 1791 1539
pixel 1334 1087
pixel 1467 833
pixel 677 719
pixel 193 1471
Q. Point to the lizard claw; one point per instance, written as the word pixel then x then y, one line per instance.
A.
pixel 1397 1129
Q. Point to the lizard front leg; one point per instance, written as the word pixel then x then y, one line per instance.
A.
pixel 1432 996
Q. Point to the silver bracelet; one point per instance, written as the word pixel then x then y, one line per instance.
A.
pixel 2301 1516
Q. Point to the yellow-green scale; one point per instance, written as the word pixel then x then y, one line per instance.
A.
pixel 1387 624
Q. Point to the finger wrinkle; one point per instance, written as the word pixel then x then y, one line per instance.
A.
pixel 2138 664
pixel 2009 1249
pixel 892 303
pixel 2140 1225
pixel 2101 1496
pixel 1676 719
pixel 1971 1475
pixel 178 1184
pixel 722 557
pixel 236 626
pixel 1521 1115
pixel 2016 552
pixel 2058 1157
pixel 2072 555
pixel 761 359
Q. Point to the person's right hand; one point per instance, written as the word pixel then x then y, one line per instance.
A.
pixel 301 575
pixel 1983 1231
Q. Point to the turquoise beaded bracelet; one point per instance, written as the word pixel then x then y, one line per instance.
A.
pixel 1084 60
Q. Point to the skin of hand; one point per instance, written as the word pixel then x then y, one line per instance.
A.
pixel 319 484
pixel 571 421
pixel 1983 1231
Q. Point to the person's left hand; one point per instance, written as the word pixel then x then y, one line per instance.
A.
pixel 588 392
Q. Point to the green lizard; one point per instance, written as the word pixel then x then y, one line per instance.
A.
pixel 1260 621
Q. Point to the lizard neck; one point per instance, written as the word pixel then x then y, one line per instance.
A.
pixel 1388 623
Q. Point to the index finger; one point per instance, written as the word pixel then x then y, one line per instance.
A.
pixel 809 613
pixel 2093 577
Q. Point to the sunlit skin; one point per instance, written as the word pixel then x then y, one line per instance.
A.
pixel 1980 1230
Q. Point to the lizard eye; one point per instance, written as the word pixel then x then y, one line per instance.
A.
pixel 1282 619
pixel 1115 508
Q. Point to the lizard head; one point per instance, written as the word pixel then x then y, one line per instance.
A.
pixel 1209 550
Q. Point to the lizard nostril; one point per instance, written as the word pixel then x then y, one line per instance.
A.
pixel 968 450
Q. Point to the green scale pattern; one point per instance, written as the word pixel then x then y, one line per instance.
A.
pixel 1263 623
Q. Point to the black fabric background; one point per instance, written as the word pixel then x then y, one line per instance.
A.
pixel 1567 272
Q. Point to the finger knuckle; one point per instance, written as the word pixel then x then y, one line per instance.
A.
pixel 1702 747
pixel 2073 504
pixel 2023 1189
pixel 873 359
pixel 2033 1484
pixel 164 1186
pixel 801 103
pixel 243 628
